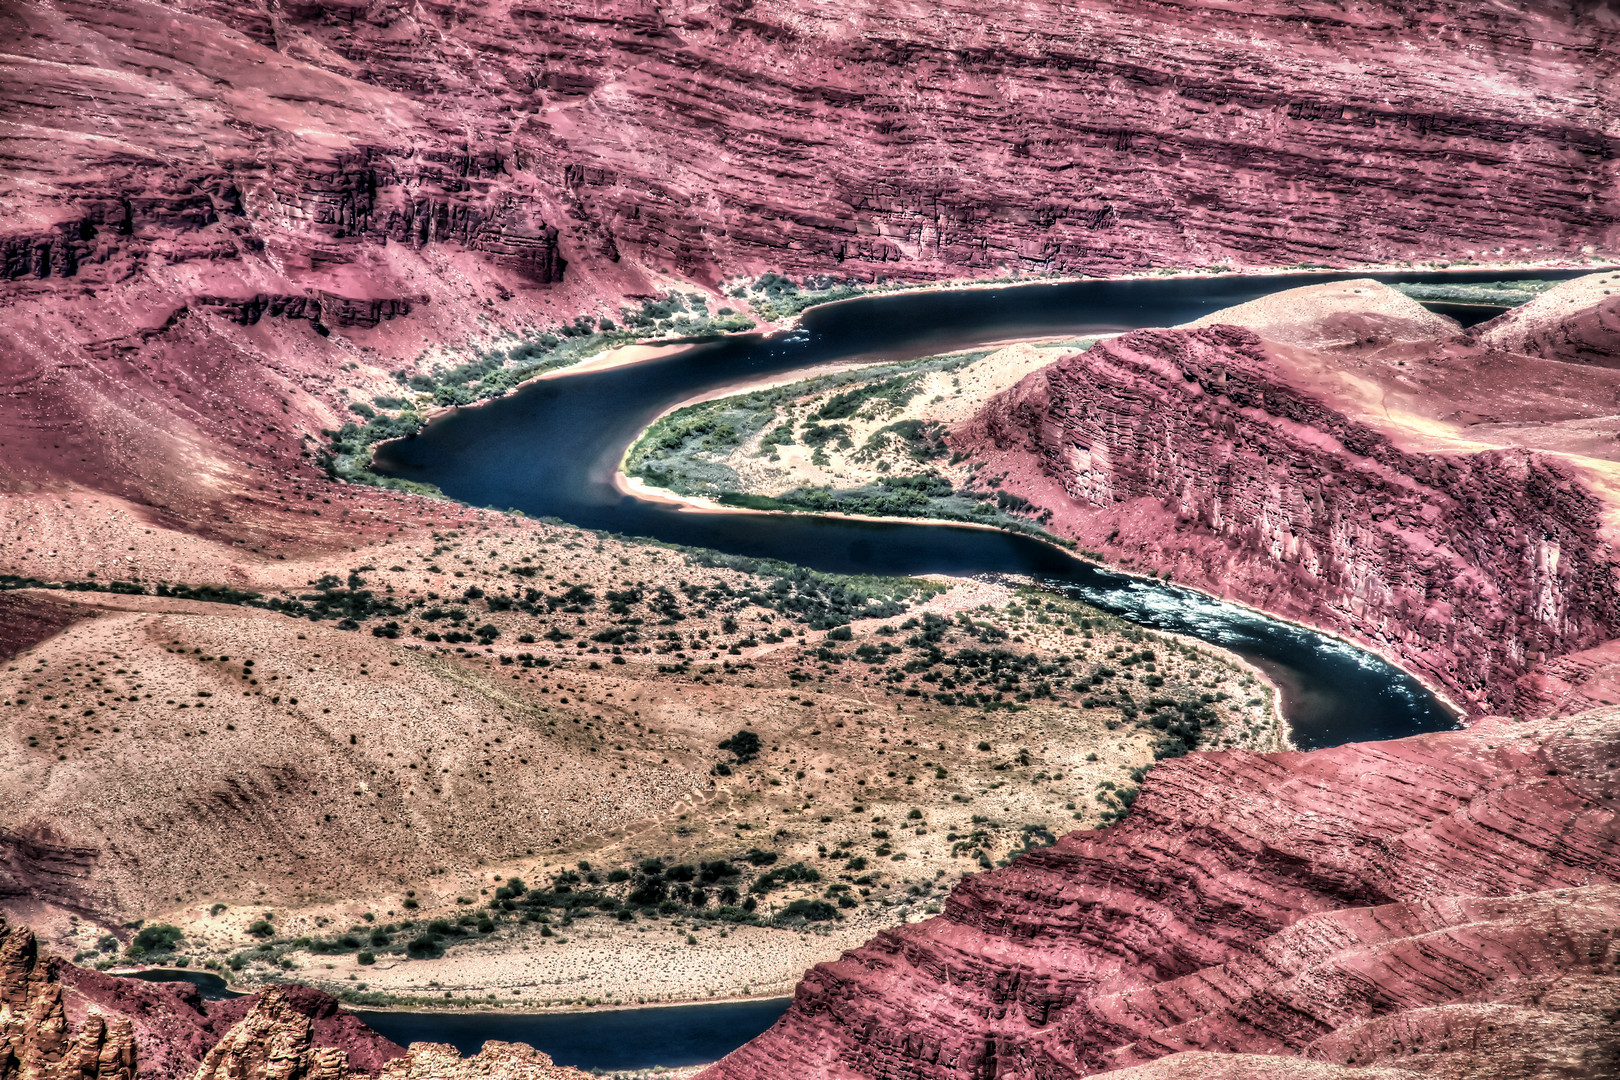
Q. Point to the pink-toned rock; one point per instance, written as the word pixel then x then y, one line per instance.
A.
pixel 296 188
pixel 63 1022
pixel 1198 451
pixel 1576 322
pixel 1446 904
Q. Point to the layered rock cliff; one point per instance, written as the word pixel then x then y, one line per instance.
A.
pixel 1197 452
pixel 707 137
pixel 224 216
pixel 1447 904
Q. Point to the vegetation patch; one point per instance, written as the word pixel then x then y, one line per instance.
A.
pixel 491 372
pixel 1489 293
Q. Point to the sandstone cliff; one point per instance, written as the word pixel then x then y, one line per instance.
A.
pixel 709 137
pixel 1440 905
pixel 1191 447
pixel 227 217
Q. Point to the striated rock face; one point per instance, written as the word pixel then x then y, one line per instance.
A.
pixel 217 209
pixel 1196 450
pixel 1441 905
pixel 709 137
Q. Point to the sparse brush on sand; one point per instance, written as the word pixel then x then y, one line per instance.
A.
pixel 485 762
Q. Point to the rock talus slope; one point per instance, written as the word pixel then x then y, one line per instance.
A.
pixel 1446 904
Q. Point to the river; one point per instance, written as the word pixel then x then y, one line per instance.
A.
pixel 553 447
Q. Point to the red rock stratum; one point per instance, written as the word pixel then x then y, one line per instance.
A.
pixel 1443 905
pixel 713 137
pixel 1350 463
pixel 216 209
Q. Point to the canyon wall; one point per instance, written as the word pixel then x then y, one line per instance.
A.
pixel 702 137
pixel 228 218
pixel 1192 452
pixel 1443 905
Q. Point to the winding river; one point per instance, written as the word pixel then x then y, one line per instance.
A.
pixel 553 448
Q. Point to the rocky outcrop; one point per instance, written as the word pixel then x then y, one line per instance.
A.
pixel 38 1040
pixel 38 864
pixel 61 1022
pixel 508 1061
pixel 322 309
pixel 1447 904
pixel 274 1041
pixel 1194 451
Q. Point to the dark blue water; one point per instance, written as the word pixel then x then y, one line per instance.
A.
pixel 209 986
pixel 552 449
pixel 671 1035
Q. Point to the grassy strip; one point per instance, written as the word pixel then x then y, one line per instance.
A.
pixel 678 451
pixel 489 373
pixel 665 450
pixel 1493 293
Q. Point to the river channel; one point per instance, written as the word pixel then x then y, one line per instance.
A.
pixel 553 448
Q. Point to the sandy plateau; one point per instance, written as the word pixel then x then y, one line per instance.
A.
pixel 266 783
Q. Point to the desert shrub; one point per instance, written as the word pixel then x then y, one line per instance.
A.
pixel 157 938
pixel 744 746
pixel 809 910
pixel 425 947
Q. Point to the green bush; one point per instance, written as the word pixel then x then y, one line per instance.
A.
pixel 809 910
pixel 425 947
pixel 157 938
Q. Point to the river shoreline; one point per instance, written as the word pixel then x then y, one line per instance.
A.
pixel 1167 273
pixel 659 348
pixel 635 487
pixel 429 1009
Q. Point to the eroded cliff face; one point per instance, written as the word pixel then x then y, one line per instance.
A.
pixel 1192 451
pixel 706 137
pixel 38 1040
pixel 61 1022
pixel 1439 905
